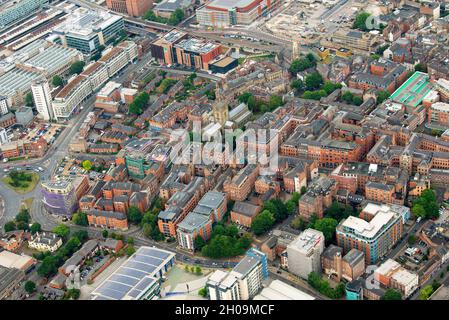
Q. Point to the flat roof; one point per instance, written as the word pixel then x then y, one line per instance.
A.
pixel 279 290
pixel 135 276
pixel 12 260
pixel 413 91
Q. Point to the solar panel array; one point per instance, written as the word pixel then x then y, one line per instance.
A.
pixel 137 274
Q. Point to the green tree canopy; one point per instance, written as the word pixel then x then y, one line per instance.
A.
pixel 35 227
pixel 77 67
pixel 80 219
pixel 29 101
pixel 10 226
pixel 314 81
pixel 62 230
pixel 327 226
pixel 30 287
pixel 134 215
pixel 391 294
pixel 262 222
pixel 56 81
pixel 87 165
pixel 360 21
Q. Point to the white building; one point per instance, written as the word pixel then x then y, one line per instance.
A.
pixel 45 241
pixel 42 98
pixel 304 253
pixel 391 274
pixel 71 96
pixel 278 290
pixel 242 283
pixel 4 136
pixel 3 105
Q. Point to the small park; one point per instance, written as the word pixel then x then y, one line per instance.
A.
pixel 21 181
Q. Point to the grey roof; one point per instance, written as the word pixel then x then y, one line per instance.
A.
pixel 108 214
pixel 246 208
pixel 332 251
pixel 354 256
pixel 245 265
pixel 193 221
pixel 136 276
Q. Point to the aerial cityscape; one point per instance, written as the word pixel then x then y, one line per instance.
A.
pixel 224 150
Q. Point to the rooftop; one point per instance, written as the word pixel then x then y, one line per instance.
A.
pixel 413 91
pixel 132 280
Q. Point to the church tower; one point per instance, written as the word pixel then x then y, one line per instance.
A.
pixel 220 106
pixel 296 50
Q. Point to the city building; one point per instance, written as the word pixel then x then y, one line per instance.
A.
pixel 45 241
pixel 318 197
pixel 348 267
pixel 16 261
pixel 209 209
pixel 86 30
pixel 24 115
pixel 4 109
pixel 392 275
pixel 225 13
pixel 438 113
pixel 166 8
pixel 239 187
pixel 244 212
pixel 134 8
pixel 176 47
pixel 243 282
pixel 59 197
pixel 138 278
pixel 304 253
pixel 374 236
pixel 10 280
pixel 354 290
pixel 279 290
pixel 12 12
pixel 42 99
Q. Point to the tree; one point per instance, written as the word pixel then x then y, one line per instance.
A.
pixel 327 226
pixel 80 219
pixel 198 270
pixel 62 230
pixel 73 294
pixel 391 294
pixel 139 103
pixel 10 226
pixel 244 97
pixel 360 21
pixel 77 67
pixel 30 287
pixel 23 216
pixel 130 241
pixel 421 67
pixel 426 292
pixel 297 223
pixel 291 206
pixel 56 81
pixel 130 251
pixel 87 165
pixel 134 215
pixel 199 243
pixel 262 222
pixel 176 17
pixel 105 233
pixel 347 96
pixel 35 227
pixel 314 81
pixel 29 101
pixel 357 100
pixel 296 84
pixel 202 292
pixel 382 95
pixel 275 101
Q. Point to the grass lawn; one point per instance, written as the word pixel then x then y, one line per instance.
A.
pixel 28 187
